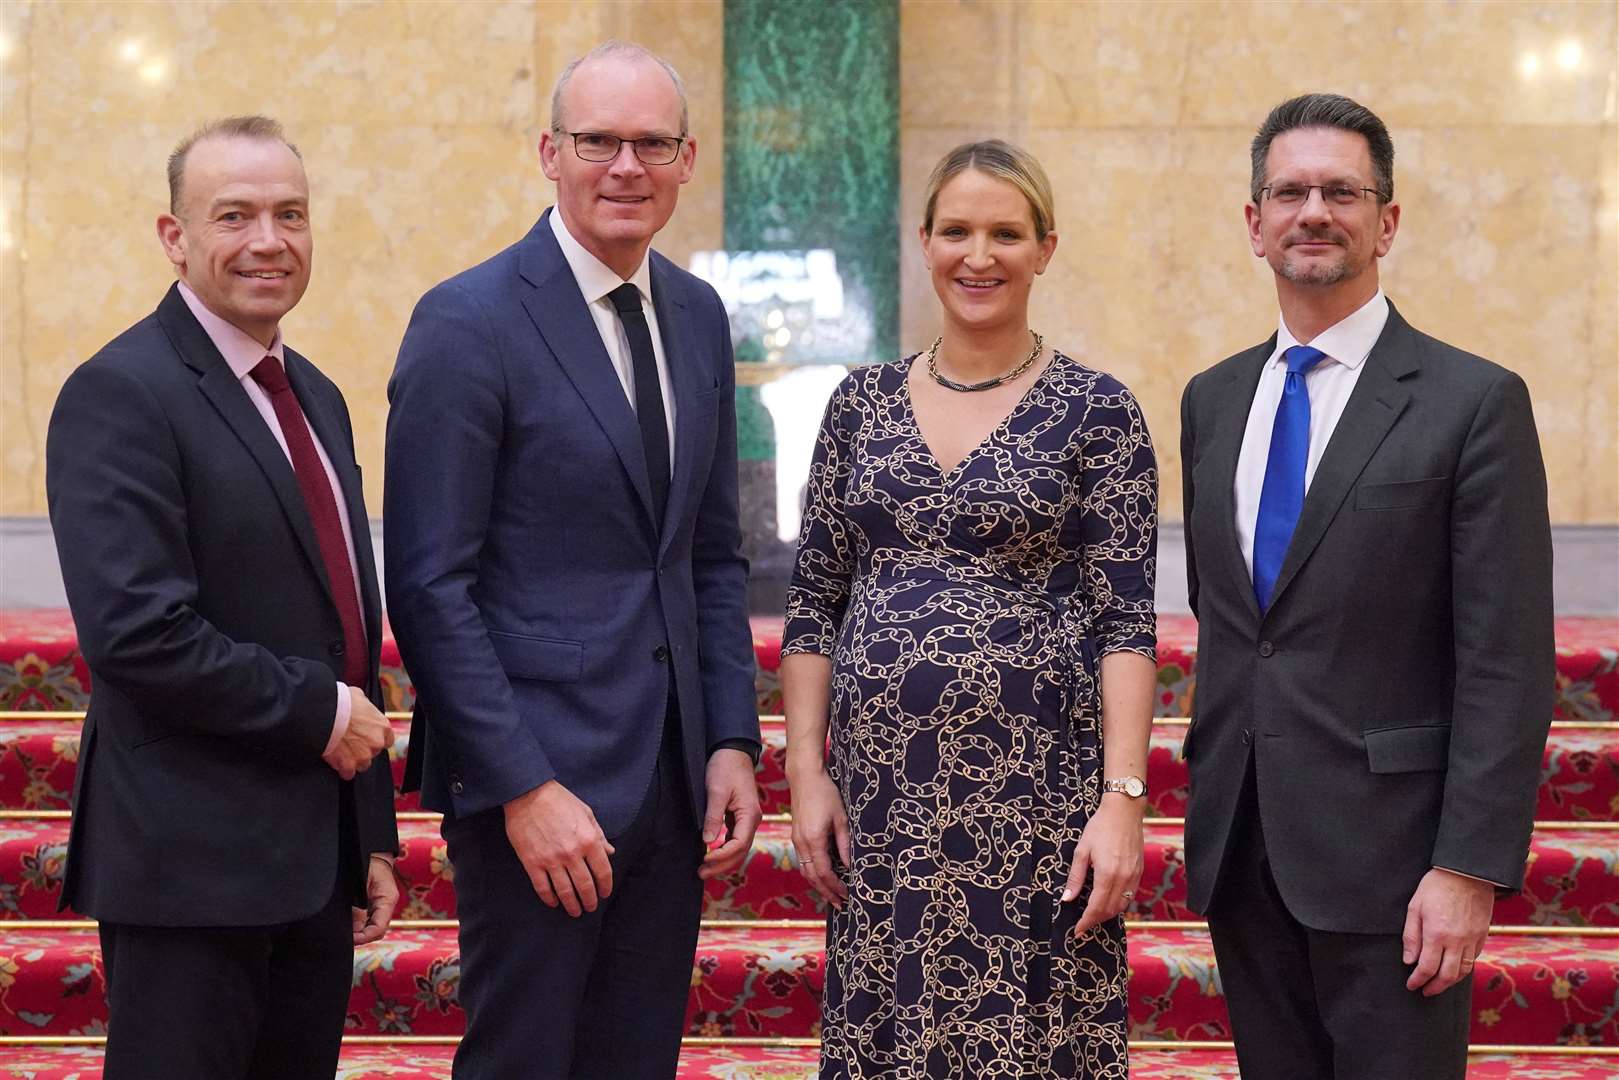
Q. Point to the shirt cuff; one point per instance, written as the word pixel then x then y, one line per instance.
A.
pixel 747 746
pixel 1471 877
pixel 340 724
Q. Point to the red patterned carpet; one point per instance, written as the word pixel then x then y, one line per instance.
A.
pixel 1547 986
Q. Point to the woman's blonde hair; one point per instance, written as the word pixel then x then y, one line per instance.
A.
pixel 1003 161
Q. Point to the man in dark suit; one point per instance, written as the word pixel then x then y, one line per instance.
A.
pixel 1369 559
pixel 565 579
pixel 212 536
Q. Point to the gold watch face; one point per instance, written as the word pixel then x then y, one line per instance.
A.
pixel 1132 786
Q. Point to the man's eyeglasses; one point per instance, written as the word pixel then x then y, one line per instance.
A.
pixel 652 150
pixel 1298 194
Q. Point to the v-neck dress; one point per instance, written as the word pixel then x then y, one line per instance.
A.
pixel 965 613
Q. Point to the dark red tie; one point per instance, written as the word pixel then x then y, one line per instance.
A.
pixel 322 507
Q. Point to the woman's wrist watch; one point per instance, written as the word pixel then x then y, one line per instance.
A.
pixel 1133 786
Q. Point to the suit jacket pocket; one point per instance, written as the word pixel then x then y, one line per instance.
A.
pixel 706 401
pixel 1399 496
pixel 1422 748
pixel 550 659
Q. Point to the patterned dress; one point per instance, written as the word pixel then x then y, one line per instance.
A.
pixel 966 613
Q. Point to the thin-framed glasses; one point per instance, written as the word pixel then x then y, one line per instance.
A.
pixel 652 149
pixel 1297 194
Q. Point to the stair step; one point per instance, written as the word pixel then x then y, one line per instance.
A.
pixel 40 650
pixel 734 1062
pixel 1572 880
pixel 1579 769
pixel 765 982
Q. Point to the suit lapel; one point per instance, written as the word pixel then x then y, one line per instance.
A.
pixel 220 386
pixel 1374 405
pixel 558 310
pixel 331 434
pixel 679 350
pixel 1236 400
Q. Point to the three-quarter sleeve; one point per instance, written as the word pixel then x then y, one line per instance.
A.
pixel 1119 521
pixel 824 570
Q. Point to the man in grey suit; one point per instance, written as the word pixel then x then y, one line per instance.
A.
pixel 1369 559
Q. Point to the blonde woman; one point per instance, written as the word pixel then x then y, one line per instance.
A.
pixel 971 618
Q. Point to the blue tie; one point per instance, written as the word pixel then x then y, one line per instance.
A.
pixel 1282 497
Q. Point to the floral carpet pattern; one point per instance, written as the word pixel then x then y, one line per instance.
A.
pixel 41 669
pixel 766 982
pixel 758 973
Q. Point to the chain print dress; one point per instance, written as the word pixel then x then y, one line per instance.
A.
pixel 965 613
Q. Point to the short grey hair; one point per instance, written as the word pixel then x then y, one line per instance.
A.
pixel 627 50
pixel 262 128
pixel 1328 111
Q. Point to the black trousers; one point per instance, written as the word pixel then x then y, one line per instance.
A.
pixel 1317 1005
pixel 598 997
pixel 235 1003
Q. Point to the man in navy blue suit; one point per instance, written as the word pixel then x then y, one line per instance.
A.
pixel 565 579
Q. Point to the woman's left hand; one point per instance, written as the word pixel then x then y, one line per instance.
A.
pixel 1110 848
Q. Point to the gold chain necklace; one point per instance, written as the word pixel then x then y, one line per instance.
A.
pixel 987 384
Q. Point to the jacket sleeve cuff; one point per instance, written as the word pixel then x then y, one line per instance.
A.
pixel 747 746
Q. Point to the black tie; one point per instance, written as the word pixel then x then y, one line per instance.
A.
pixel 648 393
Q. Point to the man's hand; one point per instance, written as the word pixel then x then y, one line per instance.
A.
pixel 368 735
pixel 819 821
pixel 559 843
pixel 1445 927
pixel 382 896
pixel 733 812
pixel 1110 848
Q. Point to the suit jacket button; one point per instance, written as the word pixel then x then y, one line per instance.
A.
pixel 335 648
pixel 1266 648
pixel 661 654
pixel 1247 736
pixel 457 787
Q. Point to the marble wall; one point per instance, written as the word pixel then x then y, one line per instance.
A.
pixel 418 122
pixel 1503 118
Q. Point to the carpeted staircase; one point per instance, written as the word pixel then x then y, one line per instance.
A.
pixel 1546 996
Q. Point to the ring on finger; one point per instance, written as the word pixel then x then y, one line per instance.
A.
pixel 1128 894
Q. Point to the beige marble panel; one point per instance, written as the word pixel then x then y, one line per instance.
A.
pixel 959 63
pixel 1601 477
pixel 21 440
pixel 690 34
pixel 1501 253
pixel 1415 63
pixel 1143 112
pixel 418 123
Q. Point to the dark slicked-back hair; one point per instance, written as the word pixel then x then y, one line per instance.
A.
pixel 230 127
pixel 1329 111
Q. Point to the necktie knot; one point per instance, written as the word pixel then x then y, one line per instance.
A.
pixel 1301 358
pixel 626 298
pixel 269 374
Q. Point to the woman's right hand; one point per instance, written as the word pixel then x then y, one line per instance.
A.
pixel 818 820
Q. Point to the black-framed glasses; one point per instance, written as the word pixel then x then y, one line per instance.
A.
pixel 652 149
pixel 1298 194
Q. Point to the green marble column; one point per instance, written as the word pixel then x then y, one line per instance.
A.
pixel 812 141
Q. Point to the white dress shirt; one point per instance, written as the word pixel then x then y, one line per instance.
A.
pixel 596 280
pixel 243 354
pixel 1347 344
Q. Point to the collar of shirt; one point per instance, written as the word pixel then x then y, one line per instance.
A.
pixel 1348 341
pixel 240 351
pixel 595 278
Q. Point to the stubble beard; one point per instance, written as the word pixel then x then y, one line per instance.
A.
pixel 1316 274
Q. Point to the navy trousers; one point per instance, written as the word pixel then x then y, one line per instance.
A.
pixel 598 997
